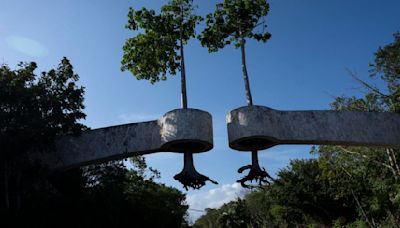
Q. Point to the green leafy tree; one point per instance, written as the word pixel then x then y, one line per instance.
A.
pixel 377 167
pixel 159 51
pixel 209 219
pixel 236 216
pixel 235 22
pixel 33 111
pixel 117 196
pixel 105 195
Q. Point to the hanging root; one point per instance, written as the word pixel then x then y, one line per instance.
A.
pixel 255 174
pixel 193 180
pixel 189 176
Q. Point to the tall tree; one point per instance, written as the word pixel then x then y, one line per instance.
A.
pixel 33 111
pixel 235 22
pixel 160 50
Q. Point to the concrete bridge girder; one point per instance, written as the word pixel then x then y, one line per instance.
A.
pixel 259 128
pixel 249 128
pixel 180 130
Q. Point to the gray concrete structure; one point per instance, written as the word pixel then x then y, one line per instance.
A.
pixel 259 128
pixel 179 130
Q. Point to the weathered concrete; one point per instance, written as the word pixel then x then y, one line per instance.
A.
pixel 179 130
pixel 258 128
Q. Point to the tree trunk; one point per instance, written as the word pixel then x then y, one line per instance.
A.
pixel 188 160
pixel 6 188
pixel 245 75
pixel 18 191
pixel 392 160
pixel 187 155
pixel 254 157
pixel 183 81
pixel 183 72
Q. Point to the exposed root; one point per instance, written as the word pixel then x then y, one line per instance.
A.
pixel 255 174
pixel 192 180
pixel 189 177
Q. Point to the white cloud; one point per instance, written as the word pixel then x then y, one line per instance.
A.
pixel 213 198
pixel 137 117
pixel 27 46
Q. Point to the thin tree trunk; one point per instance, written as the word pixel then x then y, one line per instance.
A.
pixel 183 81
pixel 245 75
pixel 249 98
pixel 390 167
pixel 183 71
pixel 188 159
pixel 372 222
pixel 6 192
pixel 392 155
pixel 187 155
pixel 254 157
pixel 18 191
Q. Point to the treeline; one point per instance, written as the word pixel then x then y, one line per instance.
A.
pixel 34 110
pixel 344 186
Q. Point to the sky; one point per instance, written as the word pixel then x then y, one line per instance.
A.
pixel 302 67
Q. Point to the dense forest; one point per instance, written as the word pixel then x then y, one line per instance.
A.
pixel 344 186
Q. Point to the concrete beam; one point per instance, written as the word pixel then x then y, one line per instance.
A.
pixel 179 130
pixel 259 128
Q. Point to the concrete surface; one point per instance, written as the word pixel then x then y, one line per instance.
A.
pixel 259 128
pixel 179 130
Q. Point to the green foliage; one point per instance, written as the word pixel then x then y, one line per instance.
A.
pixel 155 52
pixel 106 195
pixel 233 21
pixel 387 65
pixel 233 214
pixel 210 219
pixel 35 109
pixel 236 216
pixel 118 196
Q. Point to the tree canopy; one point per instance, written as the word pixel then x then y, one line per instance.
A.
pixel 35 109
pixel 234 21
pixel 156 50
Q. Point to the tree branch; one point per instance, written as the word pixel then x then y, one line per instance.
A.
pixel 365 84
pixel 357 201
pixel 371 159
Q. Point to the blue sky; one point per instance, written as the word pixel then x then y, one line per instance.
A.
pixel 301 67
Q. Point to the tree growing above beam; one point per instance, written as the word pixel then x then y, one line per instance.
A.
pixel 234 22
pixel 159 51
